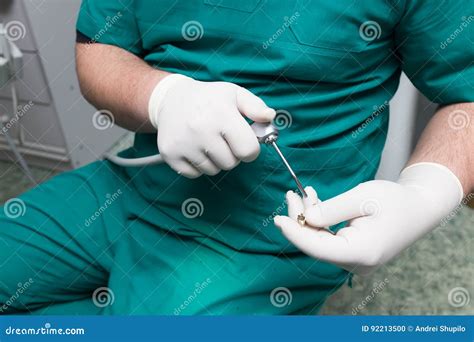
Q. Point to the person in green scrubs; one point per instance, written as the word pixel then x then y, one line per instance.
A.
pixel 105 239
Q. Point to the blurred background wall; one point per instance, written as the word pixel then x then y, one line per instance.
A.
pixel 51 106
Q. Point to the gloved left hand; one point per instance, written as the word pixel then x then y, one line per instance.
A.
pixel 384 217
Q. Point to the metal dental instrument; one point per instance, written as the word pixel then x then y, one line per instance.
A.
pixel 268 134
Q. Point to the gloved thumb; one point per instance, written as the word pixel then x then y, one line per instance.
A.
pixel 344 207
pixel 253 107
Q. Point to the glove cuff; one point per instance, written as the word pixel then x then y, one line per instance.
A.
pixel 434 177
pixel 158 95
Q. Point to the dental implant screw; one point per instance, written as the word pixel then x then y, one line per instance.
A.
pixel 301 219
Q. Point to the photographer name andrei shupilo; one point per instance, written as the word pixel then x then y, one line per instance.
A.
pixel 440 328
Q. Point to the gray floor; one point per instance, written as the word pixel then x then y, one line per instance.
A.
pixel 436 276
pixel 433 277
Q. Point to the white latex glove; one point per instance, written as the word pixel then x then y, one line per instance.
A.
pixel 201 125
pixel 384 217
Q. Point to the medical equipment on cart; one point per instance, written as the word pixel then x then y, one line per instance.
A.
pixel 11 63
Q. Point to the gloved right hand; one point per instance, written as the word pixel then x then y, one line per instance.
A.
pixel 201 125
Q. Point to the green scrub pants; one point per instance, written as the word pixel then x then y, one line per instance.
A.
pixel 87 242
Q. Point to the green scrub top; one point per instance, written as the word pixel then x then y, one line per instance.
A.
pixel 329 68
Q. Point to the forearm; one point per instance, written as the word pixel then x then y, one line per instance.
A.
pixel 116 80
pixel 448 140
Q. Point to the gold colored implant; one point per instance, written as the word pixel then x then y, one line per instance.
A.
pixel 301 219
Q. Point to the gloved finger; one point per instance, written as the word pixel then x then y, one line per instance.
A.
pixel 184 168
pixel 221 155
pixel 241 139
pixel 204 165
pixel 344 207
pixel 295 205
pixel 312 198
pixel 316 243
pixel 253 106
